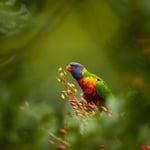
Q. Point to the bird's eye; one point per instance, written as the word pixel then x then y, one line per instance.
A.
pixel 98 79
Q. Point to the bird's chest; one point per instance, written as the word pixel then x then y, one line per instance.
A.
pixel 87 84
pixel 88 87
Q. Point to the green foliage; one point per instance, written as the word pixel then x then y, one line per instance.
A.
pixel 13 19
pixel 111 39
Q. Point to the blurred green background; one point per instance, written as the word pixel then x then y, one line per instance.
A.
pixel 112 39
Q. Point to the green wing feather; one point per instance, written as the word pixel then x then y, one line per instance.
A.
pixel 101 87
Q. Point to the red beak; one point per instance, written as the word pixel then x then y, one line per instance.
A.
pixel 68 68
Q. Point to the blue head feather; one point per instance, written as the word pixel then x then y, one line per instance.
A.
pixel 76 70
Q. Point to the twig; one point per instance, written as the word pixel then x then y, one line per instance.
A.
pixel 59 139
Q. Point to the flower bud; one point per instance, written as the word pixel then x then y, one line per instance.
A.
pixel 91 106
pixel 62 96
pixel 60 69
pixel 63 131
pixel 58 79
pixel 103 108
pixel 61 147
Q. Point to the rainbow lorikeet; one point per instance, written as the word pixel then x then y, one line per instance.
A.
pixel 94 88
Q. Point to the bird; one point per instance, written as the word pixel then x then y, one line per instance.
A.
pixel 94 88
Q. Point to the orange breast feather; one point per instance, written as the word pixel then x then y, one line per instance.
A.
pixel 87 84
pixel 88 87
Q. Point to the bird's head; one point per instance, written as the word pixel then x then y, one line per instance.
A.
pixel 75 69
